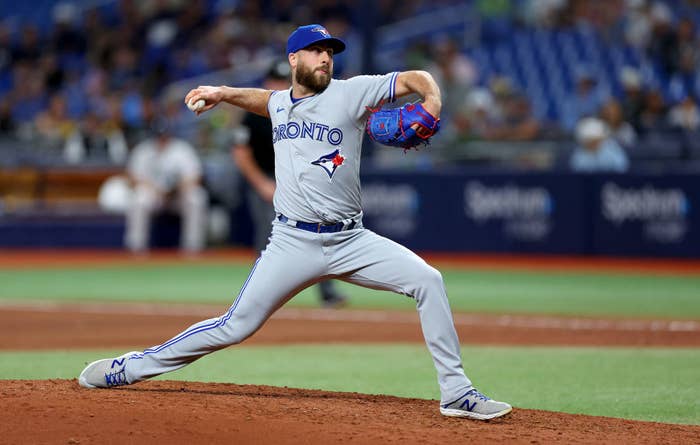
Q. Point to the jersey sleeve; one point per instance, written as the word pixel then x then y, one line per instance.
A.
pixel 369 91
pixel 273 100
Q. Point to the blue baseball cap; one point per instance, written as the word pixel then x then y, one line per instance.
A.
pixel 305 36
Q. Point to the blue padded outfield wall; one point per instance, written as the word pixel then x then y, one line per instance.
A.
pixel 622 215
pixel 631 214
pixel 646 215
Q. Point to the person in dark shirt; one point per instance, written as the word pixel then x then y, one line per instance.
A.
pixel 255 157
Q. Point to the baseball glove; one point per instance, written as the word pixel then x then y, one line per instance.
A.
pixel 394 126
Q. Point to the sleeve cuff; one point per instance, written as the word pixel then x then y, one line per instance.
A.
pixel 269 99
pixel 392 86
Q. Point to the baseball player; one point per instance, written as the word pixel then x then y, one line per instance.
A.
pixel 165 171
pixel 317 130
pixel 255 157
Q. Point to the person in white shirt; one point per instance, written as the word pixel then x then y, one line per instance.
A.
pixel 685 114
pixel 165 173
pixel 596 150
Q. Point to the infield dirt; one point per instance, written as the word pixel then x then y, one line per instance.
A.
pixel 60 412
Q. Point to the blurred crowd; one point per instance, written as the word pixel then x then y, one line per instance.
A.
pixel 645 114
pixel 90 85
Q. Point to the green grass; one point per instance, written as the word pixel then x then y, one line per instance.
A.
pixel 595 294
pixel 644 384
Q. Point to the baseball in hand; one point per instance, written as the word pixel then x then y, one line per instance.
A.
pixel 195 106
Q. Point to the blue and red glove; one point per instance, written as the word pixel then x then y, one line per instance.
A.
pixel 394 126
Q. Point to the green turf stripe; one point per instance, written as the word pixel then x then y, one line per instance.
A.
pixel 469 290
pixel 646 384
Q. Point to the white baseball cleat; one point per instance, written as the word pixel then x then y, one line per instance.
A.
pixel 474 405
pixel 106 373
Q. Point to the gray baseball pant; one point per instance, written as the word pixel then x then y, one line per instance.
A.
pixel 295 259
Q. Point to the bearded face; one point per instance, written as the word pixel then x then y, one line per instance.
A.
pixel 315 79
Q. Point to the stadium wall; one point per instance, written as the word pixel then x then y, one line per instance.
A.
pixel 635 214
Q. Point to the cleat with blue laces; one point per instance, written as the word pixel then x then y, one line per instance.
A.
pixel 106 373
pixel 474 405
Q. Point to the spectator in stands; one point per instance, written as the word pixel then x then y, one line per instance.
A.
pixel 5 57
pixel 685 115
pixel 54 126
pixel 7 125
pixel 516 122
pixel 67 38
pixel 620 130
pixel 98 140
pixel 601 16
pixel 685 55
pixel 663 37
pixel 29 97
pixel 638 23
pixel 454 72
pixel 166 173
pixel 544 13
pixel 124 68
pixel 502 89
pixel 632 96
pixel 585 101
pixel 653 116
pixel 28 49
pixel 54 74
pixel 596 151
pixel 478 117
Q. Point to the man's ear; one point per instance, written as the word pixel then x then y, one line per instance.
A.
pixel 292 57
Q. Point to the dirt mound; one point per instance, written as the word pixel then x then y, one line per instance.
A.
pixel 59 411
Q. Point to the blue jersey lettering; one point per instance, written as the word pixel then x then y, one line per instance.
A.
pixel 307 130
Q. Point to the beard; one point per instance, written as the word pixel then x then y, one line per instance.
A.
pixel 307 77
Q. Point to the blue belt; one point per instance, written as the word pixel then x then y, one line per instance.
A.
pixel 317 227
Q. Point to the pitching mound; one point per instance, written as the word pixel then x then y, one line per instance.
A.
pixel 60 412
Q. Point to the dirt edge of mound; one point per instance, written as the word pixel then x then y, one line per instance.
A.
pixel 59 411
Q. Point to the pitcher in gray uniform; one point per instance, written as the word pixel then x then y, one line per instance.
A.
pixel 318 126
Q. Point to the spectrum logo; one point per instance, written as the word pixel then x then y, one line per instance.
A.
pixel 483 203
pixel 647 203
pixel 523 213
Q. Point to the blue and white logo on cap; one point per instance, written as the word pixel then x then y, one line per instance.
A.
pixel 323 31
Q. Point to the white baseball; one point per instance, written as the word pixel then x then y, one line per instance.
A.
pixel 196 106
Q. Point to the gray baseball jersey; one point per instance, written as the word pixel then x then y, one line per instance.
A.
pixel 317 144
